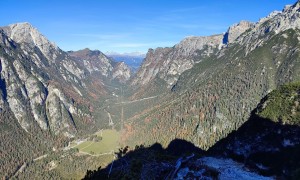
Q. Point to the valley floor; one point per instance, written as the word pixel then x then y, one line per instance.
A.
pixel 73 161
pixel 109 143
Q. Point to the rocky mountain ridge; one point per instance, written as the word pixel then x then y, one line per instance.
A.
pixel 96 61
pixel 169 63
pixel 93 61
pixel 275 23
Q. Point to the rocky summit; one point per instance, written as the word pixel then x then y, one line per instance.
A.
pixel 26 33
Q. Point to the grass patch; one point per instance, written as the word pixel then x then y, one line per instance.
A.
pixel 109 142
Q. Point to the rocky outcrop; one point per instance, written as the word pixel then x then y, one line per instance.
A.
pixel 15 93
pixel 73 68
pixel 26 33
pixel 236 30
pixel 189 45
pixel 121 72
pixel 169 63
pixel 153 63
pixel 276 22
pixel 59 112
pixel 34 90
pixel 93 61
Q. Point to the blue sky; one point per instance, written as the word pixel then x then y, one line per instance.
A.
pixel 131 25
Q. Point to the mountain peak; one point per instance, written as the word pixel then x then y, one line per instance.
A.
pixel 86 49
pixel 292 7
pixel 297 5
pixel 236 30
pixel 24 32
pixel 278 21
pixel 22 24
pixel 93 60
pixel 86 52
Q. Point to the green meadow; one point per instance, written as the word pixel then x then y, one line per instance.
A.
pixel 109 142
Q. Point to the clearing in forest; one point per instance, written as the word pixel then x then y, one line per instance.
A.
pixel 108 143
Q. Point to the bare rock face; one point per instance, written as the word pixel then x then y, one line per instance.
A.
pixel 59 112
pixel 169 63
pixel 96 61
pixel 15 93
pixel 34 90
pixel 236 30
pixel 189 45
pixel 26 33
pixel 73 68
pixel 276 22
pixel 121 72
pixel 93 61
pixel 153 63
pixel 28 83
pixel 29 98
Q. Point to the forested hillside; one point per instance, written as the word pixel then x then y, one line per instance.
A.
pixel 218 93
pixel 261 148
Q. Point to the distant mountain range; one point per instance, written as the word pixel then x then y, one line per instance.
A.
pixel 133 60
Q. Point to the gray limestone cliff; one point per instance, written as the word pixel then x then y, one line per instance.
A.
pixel 30 80
pixel 236 30
pixel 121 72
pixel 95 61
pixel 26 33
